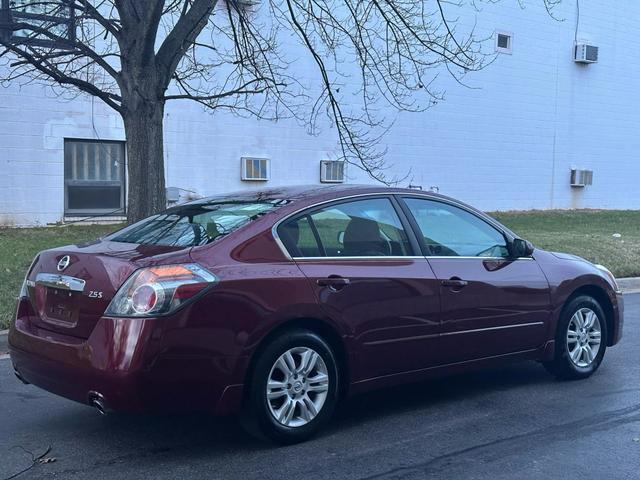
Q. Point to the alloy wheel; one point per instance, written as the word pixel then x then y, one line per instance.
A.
pixel 584 335
pixel 297 387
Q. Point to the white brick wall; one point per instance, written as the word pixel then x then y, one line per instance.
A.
pixel 508 143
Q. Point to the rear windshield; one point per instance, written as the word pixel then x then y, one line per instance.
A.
pixel 194 224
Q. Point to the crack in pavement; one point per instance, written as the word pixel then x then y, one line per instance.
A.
pixel 599 422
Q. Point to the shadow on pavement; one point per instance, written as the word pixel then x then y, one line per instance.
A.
pixel 178 435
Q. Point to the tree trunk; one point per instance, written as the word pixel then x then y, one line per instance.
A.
pixel 145 159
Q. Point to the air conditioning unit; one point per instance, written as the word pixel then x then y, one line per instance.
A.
pixel 331 171
pixel 585 53
pixel 173 195
pixel 255 169
pixel 581 178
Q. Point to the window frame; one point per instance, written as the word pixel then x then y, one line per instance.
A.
pixel 506 234
pixel 87 212
pixel 9 16
pixel 416 248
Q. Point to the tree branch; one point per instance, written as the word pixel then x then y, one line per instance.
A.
pixel 80 46
pixel 45 67
pixel 182 36
pixel 95 15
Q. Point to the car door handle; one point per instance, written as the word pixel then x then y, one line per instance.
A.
pixel 335 283
pixel 454 283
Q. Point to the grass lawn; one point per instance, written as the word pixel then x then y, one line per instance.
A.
pixel 18 247
pixel 588 233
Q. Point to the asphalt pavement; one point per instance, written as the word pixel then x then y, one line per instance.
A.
pixel 512 422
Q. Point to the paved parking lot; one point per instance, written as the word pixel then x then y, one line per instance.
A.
pixel 515 422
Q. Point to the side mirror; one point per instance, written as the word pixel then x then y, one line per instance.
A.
pixel 521 248
pixel 340 238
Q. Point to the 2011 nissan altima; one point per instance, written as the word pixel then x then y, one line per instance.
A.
pixel 276 303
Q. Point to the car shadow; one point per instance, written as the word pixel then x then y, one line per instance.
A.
pixel 190 432
pixel 428 393
pixel 187 438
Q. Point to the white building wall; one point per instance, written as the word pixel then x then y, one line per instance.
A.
pixel 506 143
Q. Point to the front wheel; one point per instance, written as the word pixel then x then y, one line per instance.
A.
pixel 293 389
pixel 581 339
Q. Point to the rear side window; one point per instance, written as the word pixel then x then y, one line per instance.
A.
pixel 360 228
pixel 450 231
pixel 299 239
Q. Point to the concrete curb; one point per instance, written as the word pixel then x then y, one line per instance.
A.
pixel 4 347
pixel 629 285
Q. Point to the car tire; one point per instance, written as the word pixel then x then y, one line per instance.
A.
pixel 272 392
pixel 571 359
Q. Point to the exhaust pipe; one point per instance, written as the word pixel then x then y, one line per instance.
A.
pixel 96 400
pixel 19 376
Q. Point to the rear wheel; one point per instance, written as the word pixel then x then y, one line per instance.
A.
pixel 581 339
pixel 293 388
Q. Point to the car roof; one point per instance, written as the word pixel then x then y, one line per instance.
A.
pixel 297 197
pixel 309 193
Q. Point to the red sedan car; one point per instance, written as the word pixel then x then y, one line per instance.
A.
pixel 276 303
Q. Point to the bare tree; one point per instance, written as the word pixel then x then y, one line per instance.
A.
pixel 135 55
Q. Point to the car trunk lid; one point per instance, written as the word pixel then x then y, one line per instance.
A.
pixel 71 287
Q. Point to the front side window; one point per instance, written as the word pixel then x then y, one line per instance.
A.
pixel 453 232
pixel 194 224
pixel 360 228
pixel 94 177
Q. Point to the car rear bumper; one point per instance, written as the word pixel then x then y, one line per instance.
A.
pixel 126 362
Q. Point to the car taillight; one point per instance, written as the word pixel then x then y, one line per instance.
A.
pixel 24 292
pixel 159 290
